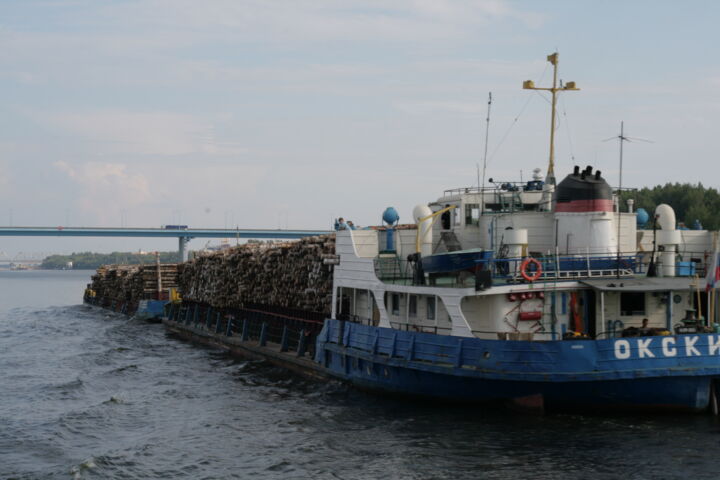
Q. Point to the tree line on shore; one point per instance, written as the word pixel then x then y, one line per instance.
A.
pixel 92 261
pixel 690 202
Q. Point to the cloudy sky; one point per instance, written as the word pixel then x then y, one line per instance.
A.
pixel 268 114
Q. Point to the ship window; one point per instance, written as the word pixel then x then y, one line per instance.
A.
pixel 632 303
pixel 430 308
pixel 412 307
pixel 472 214
pixel 395 304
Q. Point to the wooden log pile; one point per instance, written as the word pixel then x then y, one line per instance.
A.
pixel 290 274
pixel 132 283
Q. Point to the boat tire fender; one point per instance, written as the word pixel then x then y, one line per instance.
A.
pixel 530 277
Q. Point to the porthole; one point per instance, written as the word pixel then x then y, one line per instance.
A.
pixel 486 355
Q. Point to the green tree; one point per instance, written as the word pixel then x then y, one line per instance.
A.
pixel 92 261
pixel 690 202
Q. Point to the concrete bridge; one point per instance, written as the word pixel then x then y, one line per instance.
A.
pixel 184 235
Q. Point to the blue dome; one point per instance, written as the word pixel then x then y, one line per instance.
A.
pixel 390 216
pixel 642 217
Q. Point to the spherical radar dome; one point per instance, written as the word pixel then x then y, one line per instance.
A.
pixel 390 216
pixel 642 216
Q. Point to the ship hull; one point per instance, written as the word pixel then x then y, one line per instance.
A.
pixel 675 373
pixel 148 310
pixel 151 310
pixel 551 375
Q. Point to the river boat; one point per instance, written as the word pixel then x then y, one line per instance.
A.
pixel 537 294
pixel 572 302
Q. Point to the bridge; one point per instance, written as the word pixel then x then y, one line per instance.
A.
pixel 184 235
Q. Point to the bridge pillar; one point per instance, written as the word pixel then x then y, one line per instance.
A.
pixel 182 242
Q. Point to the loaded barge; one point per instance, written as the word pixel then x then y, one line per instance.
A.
pixel 539 294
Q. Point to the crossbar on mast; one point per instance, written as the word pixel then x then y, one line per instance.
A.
pixel 529 85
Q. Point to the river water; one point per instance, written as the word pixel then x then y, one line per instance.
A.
pixel 86 394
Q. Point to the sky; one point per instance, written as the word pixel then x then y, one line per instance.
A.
pixel 289 113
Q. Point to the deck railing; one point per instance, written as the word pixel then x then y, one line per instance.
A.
pixel 284 327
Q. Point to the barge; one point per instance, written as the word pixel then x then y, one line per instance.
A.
pixel 539 294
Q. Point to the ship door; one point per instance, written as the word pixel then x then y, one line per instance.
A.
pixel 589 312
pixel 343 305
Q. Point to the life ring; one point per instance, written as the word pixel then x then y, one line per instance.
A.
pixel 524 266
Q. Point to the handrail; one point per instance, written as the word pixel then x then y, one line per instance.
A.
pixel 566 267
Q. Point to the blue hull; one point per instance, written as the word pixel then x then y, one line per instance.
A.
pixel 616 373
pixel 151 309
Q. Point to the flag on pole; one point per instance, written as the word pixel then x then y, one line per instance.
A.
pixel 713 272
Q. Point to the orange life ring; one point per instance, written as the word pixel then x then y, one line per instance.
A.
pixel 523 269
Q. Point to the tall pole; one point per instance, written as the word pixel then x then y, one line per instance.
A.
pixel 487 136
pixel 529 85
pixel 619 195
pixel 159 276
pixel 550 178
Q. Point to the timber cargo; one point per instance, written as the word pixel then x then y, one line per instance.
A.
pixel 291 275
pixel 133 289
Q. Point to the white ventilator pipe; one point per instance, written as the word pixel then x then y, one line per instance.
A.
pixel 515 240
pixel 424 228
pixel 668 237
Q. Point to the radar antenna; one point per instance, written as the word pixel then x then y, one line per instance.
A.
pixel 487 134
pixel 622 139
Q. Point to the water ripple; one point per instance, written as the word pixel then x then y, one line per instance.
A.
pixel 92 395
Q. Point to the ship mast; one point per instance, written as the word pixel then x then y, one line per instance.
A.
pixel 529 85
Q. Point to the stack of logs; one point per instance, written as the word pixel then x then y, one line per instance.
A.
pixel 132 283
pixel 291 275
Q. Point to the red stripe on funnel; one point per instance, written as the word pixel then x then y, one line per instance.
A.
pixel 596 205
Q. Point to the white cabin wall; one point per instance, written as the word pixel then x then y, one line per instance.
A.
pixel 405 244
pixel 686 302
pixel 695 244
pixel 693 241
pixel 420 322
pixel 581 233
pixel 540 227
pixel 628 233
pixel 489 315
pixel 437 246
pixel 441 324
pixel 363 307
pixel 479 311
pixel 398 317
pixel 366 242
pixel 655 310
pixel 443 318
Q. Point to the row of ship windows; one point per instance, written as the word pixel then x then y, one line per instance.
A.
pixel 412 306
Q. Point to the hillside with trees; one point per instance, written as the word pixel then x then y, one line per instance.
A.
pixel 690 202
pixel 91 261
